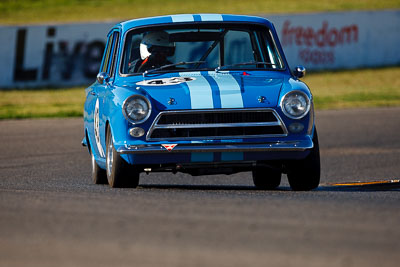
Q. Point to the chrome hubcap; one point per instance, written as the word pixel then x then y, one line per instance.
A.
pixel 109 157
pixel 93 163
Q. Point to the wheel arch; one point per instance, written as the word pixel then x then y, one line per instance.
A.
pixel 88 141
pixel 106 129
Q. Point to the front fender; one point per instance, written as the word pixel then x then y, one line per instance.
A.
pixel 113 117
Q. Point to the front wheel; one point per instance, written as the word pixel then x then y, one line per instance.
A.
pixel 119 172
pixel 266 178
pixel 304 175
pixel 99 175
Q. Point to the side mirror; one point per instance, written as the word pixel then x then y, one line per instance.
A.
pixel 103 77
pixel 299 71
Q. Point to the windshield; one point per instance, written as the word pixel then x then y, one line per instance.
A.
pixel 200 48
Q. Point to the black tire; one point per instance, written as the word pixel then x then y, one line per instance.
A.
pixel 304 175
pixel 119 172
pixel 99 176
pixel 266 178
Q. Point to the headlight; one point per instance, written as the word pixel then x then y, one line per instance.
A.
pixel 136 109
pixel 295 104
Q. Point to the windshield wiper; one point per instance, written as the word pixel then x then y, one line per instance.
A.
pixel 243 64
pixel 172 65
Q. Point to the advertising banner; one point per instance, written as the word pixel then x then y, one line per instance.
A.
pixel 70 54
pixel 340 40
pixel 55 55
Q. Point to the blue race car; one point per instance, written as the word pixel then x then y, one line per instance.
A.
pixel 200 94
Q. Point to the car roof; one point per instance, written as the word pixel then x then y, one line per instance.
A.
pixel 187 18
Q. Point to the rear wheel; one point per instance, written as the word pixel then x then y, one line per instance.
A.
pixel 266 178
pixel 304 175
pixel 119 172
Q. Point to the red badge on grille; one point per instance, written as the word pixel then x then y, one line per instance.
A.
pixel 169 147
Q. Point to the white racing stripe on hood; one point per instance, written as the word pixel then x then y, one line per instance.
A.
pixel 229 89
pixel 200 92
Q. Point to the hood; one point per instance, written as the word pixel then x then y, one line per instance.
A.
pixel 208 90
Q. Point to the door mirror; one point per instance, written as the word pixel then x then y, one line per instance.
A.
pixel 103 77
pixel 299 71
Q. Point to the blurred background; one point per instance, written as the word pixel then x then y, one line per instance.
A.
pixel 52 214
pixel 51 49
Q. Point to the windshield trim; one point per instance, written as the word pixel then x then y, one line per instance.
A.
pixel 162 72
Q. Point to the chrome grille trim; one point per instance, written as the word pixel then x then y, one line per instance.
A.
pixel 277 122
pixel 219 125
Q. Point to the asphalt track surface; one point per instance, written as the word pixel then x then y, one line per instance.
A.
pixel 52 215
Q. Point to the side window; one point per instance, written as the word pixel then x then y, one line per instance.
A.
pixel 110 55
pixel 113 54
pixel 106 56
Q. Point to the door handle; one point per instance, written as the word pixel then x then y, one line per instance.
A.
pixel 93 93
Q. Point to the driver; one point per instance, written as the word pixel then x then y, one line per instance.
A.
pixel 154 48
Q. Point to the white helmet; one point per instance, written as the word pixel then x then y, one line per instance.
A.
pixel 154 42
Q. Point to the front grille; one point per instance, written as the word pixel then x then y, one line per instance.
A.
pixel 216 124
pixel 216 117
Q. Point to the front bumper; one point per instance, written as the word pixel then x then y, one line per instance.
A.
pixel 280 146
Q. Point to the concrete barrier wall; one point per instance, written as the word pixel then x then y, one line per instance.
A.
pixel 69 55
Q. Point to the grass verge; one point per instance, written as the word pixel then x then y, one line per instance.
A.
pixel 355 88
pixel 43 103
pixel 26 11
pixel 331 90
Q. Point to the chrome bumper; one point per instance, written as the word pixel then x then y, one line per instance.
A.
pixel 237 147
